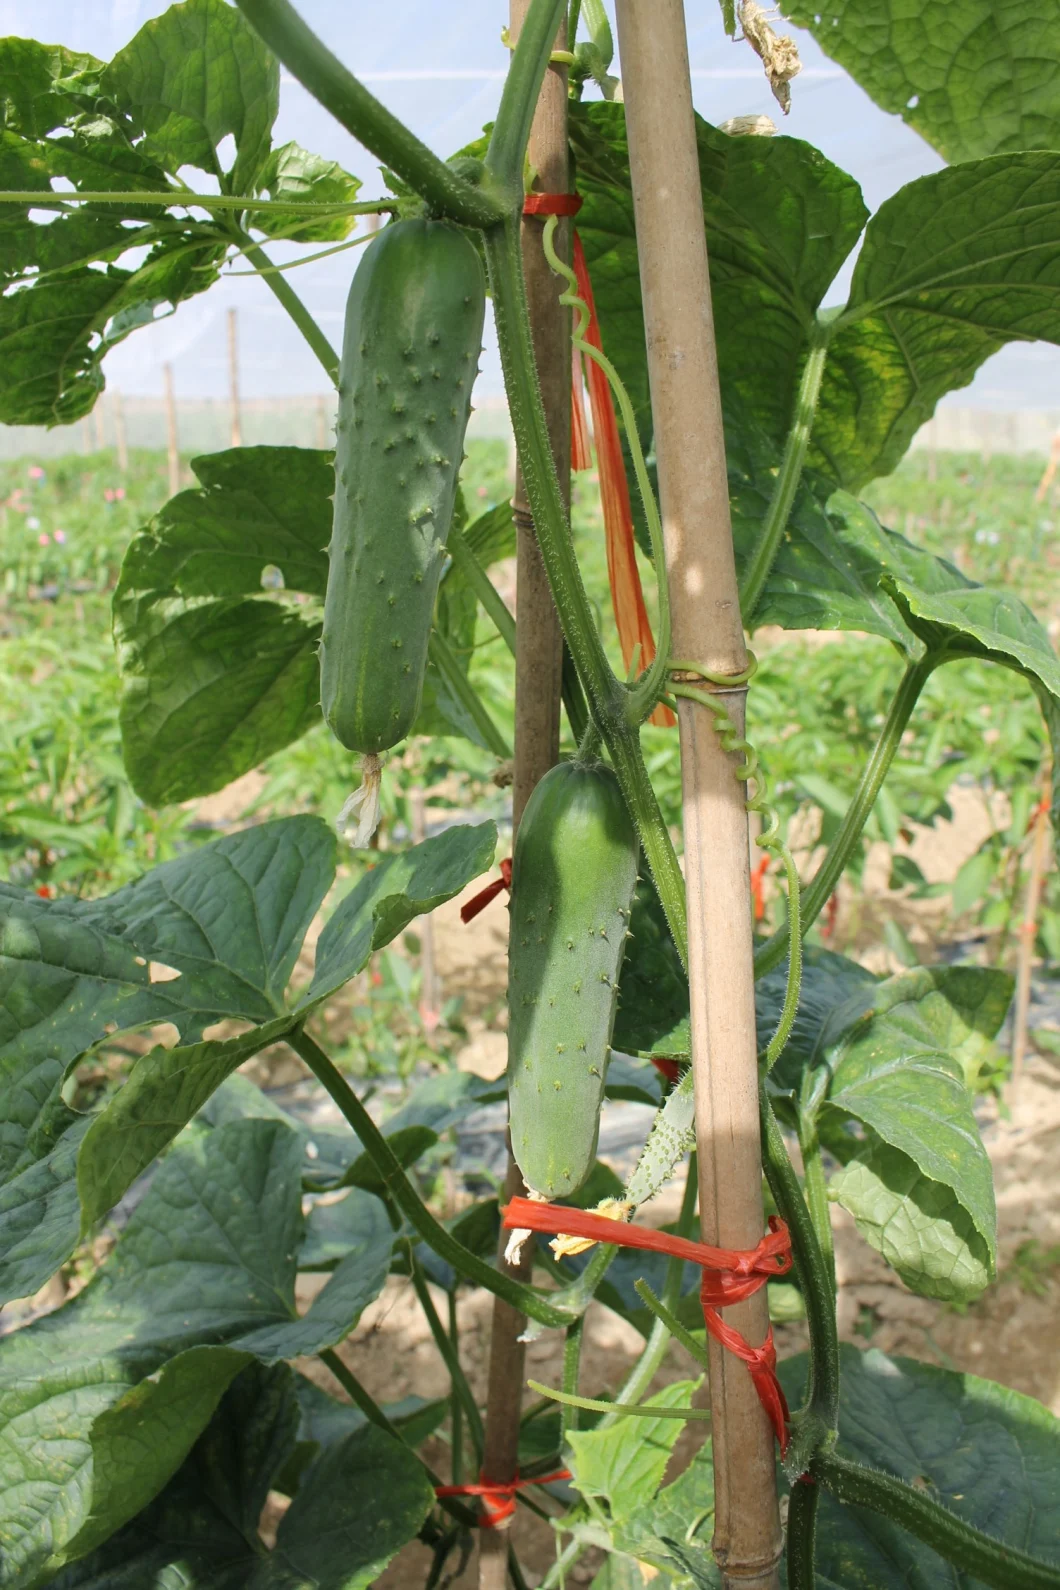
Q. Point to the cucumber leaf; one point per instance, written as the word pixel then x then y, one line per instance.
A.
pixel 290 173
pixel 213 1251
pixel 192 77
pixel 974 78
pixel 953 266
pixel 623 1465
pixel 988 1454
pixel 919 1226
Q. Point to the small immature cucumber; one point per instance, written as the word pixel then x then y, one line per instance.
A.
pixel 573 876
pixel 413 334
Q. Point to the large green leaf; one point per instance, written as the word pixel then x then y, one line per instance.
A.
pixel 192 77
pixel 201 1533
pixel 169 1086
pixel 290 173
pixel 202 1278
pixel 953 266
pixel 400 887
pixel 896 1059
pixel 780 221
pixel 829 981
pixel 918 1225
pixel 974 78
pixel 988 1454
pixel 971 621
pixel 228 919
pixel 624 1463
pixel 679 1516
pixel 204 1526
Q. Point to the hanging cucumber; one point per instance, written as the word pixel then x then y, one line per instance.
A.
pixel 573 876
pixel 409 355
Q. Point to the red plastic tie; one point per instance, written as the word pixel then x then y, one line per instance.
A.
pixel 498 1497
pixel 470 911
pixel 730 1275
pixel 552 203
pixel 666 1066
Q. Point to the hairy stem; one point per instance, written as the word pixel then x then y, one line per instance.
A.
pixel 456 1420
pixel 983 1558
pixel 444 659
pixel 828 874
pixel 816 1280
pixel 313 64
pixel 606 693
pixel 816 1190
pixel 400 1189
pixel 572 1356
pixel 285 294
pixel 511 130
pixel 764 551
pixel 802 1535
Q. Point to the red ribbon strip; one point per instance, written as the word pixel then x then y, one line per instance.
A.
pixel 498 1497
pixel 552 203
pixel 729 1276
pixel 480 901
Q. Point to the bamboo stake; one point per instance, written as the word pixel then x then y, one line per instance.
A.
pixel 172 441
pixel 1029 929
pixel 233 378
pixel 120 439
pixel 1049 472
pixel 686 406
pixel 538 672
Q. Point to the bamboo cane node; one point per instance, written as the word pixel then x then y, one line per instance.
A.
pixel 524 519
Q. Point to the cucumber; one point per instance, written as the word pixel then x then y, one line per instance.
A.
pixel 409 356
pixel 573 876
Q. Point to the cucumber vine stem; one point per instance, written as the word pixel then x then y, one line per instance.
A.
pixel 764 552
pixel 285 294
pixel 334 85
pixel 828 874
pixel 404 1195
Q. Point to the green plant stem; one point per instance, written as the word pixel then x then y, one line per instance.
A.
pixel 821 1420
pixel 572 1357
pixel 574 11
pixel 467 564
pixel 672 1323
pixel 817 893
pixel 444 659
pixel 457 1378
pixel 816 1190
pixel 621 1409
pixel 607 695
pixel 643 1372
pixel 375 1415
pixel 400 1189
pixel 309 59
pixel 802 1535
pixel 764 552
pixel 182 198
pixel 516 1570
pixel 456 1442
pixel 980 1556
pixel 285 294
pixel 511 129
pixel 566 1560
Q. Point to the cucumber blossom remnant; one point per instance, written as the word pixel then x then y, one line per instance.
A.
pixel 409 356
pixel 573 876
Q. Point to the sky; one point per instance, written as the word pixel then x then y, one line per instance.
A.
pixel 438 64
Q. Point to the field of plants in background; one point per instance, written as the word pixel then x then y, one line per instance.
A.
pixel 70 823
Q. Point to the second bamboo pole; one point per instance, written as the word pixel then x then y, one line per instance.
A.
pixel 538 677
pixel 707 633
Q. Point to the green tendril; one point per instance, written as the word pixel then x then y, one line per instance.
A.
pixel 649 687
pixel 769 839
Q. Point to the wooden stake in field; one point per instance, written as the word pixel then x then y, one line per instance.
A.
pixel 120 440
pixel 233 378
pixel 707 632
pixel 538 675
pixel 172 439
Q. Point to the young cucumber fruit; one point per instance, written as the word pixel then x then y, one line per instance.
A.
pixel 573 876
pixel 409 355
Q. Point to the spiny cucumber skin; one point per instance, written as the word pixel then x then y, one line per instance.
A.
pixel 413 334
pixel 573 876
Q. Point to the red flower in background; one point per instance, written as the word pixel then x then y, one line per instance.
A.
pixel 627 596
